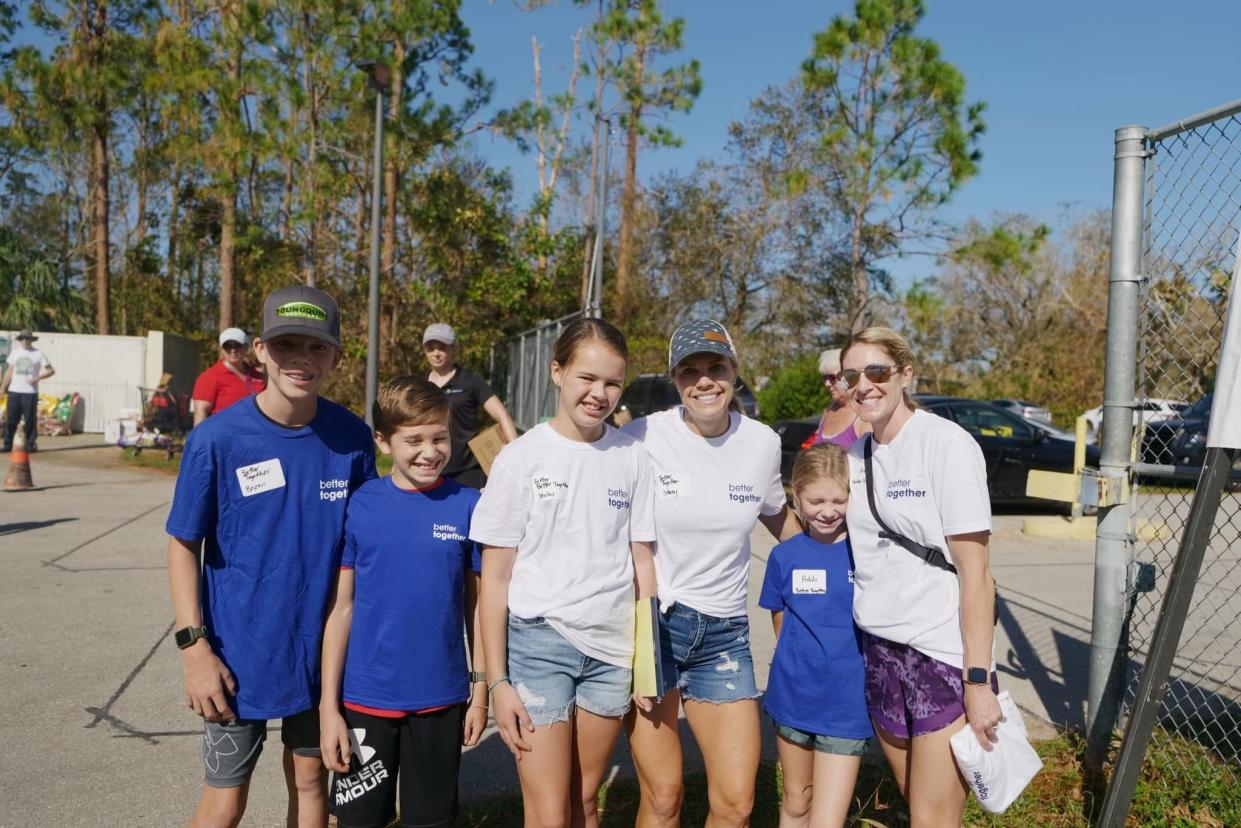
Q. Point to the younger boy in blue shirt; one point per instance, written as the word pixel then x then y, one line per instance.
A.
pixel 261 498
pixel 394 657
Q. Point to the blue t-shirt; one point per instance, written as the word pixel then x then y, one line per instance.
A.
pixel 410 552
pixel 817 682
pixel 268 502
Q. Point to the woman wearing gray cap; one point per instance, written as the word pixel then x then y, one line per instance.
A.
pixel 717 472
pixel 466 392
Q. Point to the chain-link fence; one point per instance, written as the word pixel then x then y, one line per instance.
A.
pixel 521 372
pixel 1191 218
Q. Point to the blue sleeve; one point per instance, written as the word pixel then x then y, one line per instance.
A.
pixel 475 549
pixel 772 594
pixel 363 465
pixel 348 543
pixel 193 514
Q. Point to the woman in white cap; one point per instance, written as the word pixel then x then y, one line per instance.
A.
pixel 466 392
pixel 717 472
pixel 231 379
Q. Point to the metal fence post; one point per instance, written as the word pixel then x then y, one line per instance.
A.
pixel 1112 545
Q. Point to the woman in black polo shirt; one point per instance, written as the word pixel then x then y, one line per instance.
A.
pixel 466 392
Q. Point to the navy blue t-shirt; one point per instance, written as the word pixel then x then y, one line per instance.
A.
pixel 410 552
pixel 269 503
pixel 817 682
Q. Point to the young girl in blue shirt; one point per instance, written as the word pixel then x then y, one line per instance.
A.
pixel 816 688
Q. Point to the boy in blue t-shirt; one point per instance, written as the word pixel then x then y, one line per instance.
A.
pixel 260 499
pixel 393 652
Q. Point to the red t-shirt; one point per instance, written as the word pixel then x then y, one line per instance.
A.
pixel 221 387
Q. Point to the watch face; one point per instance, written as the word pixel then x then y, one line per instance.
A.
pixel 976 675
pixel 184 637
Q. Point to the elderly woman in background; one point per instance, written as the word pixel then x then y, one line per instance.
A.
pixel 838 425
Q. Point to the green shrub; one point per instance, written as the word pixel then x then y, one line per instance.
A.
pixel 795 391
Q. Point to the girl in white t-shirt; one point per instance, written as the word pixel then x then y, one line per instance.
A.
pixel 928 618
pixel 717 473
pixel 566 525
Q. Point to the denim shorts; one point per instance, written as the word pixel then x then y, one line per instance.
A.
pixel 908 693
pixel 837 745
pixel 552 676
pixel 707 658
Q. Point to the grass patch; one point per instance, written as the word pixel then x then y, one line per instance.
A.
pixel 1183 784
pixel 152 458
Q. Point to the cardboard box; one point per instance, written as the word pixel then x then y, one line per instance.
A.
pixel 485 446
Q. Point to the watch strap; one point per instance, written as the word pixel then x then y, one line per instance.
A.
pixel 477 676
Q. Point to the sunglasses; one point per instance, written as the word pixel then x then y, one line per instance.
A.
pixel 874 373
pixel 831 379
pixel 233 346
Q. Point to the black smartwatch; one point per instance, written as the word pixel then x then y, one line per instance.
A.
pixel 977 675
pixel 188 635
pixel 478 675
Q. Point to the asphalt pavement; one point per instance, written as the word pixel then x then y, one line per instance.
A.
pixel 95 728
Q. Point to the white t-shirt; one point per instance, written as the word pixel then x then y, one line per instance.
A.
pixel 709 491
pixel 571 510
pixel 929 482
pixel 27 368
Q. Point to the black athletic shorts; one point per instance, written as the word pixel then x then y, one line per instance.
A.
pixel 423 750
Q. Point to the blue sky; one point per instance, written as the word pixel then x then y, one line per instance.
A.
pixel 1058 78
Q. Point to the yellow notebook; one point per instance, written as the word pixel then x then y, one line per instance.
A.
pixel 648 662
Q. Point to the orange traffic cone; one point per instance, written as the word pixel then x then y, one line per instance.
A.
pixel 18 479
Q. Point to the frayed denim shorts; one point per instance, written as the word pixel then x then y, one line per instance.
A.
pixel 553 677
pixel 707 658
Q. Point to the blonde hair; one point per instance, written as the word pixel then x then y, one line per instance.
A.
pixel 823 461
pixel 893 344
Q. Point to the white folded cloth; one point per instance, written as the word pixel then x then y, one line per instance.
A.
pixel 997 777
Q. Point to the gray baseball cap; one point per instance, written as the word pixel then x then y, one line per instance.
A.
pixel 301 309
pixel 701 336
pixel 439 332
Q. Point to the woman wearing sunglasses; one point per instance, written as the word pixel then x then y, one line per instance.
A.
pixel 923 593
pixel 717 473
pixel 838 425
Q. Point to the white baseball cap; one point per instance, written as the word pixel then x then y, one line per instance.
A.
pixel 234 335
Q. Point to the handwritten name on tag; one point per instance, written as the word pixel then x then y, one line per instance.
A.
pixel 547 487
pixel 674 484
pixel 261 477
pixel 809 581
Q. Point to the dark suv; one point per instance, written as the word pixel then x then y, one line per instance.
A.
pixel 649 393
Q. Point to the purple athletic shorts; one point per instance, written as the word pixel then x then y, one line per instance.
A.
pixel 908 693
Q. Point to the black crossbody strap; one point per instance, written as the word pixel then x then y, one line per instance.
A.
pixel 929 554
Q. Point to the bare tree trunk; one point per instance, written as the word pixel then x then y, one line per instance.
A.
pixel 588 245
pixel 624 253
pixel 857 269
pixel 103 310
pixel 174 217
pixel 231 117
pixel 359 237
pixel 311 261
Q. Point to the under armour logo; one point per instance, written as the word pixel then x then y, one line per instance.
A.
pixel 213 749
pixel 364 753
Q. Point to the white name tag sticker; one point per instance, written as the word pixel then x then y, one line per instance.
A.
pixel 674 484
pixel 549 487
pixel 261 477
pixel 809 581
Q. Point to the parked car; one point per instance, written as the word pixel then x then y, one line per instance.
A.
pixel 1012 447
pixel 1180 440
pixel 794 434
pixel 1026 409
pixel 1147 411
pixel 649 393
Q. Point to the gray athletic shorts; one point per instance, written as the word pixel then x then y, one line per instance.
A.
pixel 231 749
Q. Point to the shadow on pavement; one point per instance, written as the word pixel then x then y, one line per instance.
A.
pixel 29 525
